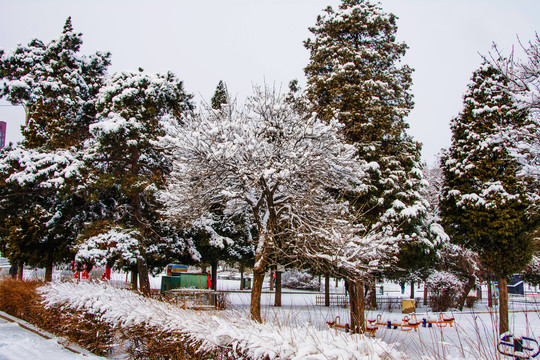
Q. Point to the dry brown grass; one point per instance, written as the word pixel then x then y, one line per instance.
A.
pixel 21 299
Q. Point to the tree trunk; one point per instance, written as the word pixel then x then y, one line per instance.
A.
pixel 425 294
pixel 412 290
pixel 214 275
pixel 241 278
pixel 352 303
pixel 468 288
pixel 20 270
pixel 490 294
pixel 272 270
pixel 48 272
pixel 356 296
pixel 277 299
pixel 256 290
pixel 134 279
pixel 144 280
pixel 327 290
pixel 372 295
pixel 503 304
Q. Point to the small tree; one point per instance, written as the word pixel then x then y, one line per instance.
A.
pixel 267 160
pixel 464 265
pixel 485 203
pixel 41 214
pixel 221 96
pixel 123 154
pixel 445 288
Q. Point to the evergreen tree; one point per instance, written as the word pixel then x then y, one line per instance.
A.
pixel 40 212
pixel 57 87
pixel 134 110
pixel 355 76
pixel 221 96
pixel 485 203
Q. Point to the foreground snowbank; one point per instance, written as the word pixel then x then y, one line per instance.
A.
pixel 17 343
pixel 214 330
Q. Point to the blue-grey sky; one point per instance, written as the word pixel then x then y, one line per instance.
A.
pixel 246 42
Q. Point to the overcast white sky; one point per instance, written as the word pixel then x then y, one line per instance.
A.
pixel 245 42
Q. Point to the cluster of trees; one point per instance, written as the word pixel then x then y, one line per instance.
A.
pixel 123 171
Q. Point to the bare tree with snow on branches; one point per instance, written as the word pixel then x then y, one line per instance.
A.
pixel 285 169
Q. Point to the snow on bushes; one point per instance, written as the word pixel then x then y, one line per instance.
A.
pixel 295 279
pixel 103 249
pixel 445 289
pixel 237 336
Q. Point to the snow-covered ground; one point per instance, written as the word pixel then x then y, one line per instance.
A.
pixel 17 343
pixel 473 335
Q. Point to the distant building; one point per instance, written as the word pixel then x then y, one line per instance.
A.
pixel 3 127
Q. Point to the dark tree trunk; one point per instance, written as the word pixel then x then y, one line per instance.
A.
pixel 48 272
pixel 277 299
pixel 425 294
pixel 352 303
pixel 134 279
pixel 490 294
pixel 372 295
pixel 272 271
pixel 241 278
pixel 327 290
pixel 144 279
pixel 503 304
pixel 356 297
pixel 468 288
pixel 412 290
pixel 20 270
pixel 214 275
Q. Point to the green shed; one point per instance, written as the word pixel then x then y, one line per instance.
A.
pixel 184 280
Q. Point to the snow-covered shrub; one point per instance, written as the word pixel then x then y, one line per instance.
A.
pixel 150 325
pixel 445 289
pixel 295 279
pixel 22 300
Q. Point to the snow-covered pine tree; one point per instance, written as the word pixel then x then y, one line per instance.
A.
pixel 522 84
pixel 134 110
pixel 274 164
pixel 56 85
pixel 41 212
pixel 485 205
pixel 354 75
pixel 221 96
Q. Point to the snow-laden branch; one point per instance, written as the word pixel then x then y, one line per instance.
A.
pixel 43 170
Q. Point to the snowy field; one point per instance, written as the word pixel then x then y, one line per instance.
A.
pixel 473 336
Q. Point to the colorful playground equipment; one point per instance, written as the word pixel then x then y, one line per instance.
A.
pixel 519 347
pixel 405 323
pixel 439 319
pixel 336 324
